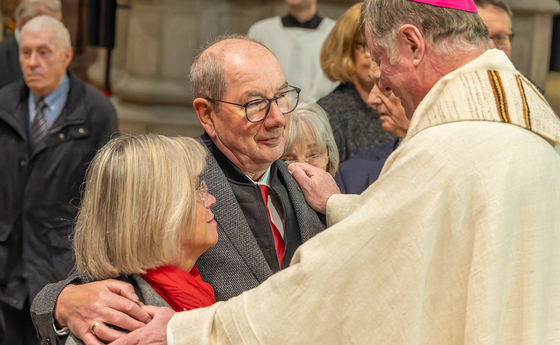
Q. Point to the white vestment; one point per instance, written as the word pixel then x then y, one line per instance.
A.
pixel 298 50
pixel 458 242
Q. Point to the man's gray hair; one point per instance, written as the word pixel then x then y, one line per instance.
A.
pixel 446 29
pixel 28 9
pixel 61 36
pixel 207 73
pixel 497 3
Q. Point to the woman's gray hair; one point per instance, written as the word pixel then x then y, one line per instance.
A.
pixel 445 28
pixel 138 206
pixel 310 121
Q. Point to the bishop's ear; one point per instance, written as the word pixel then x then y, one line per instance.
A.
pixel 412 42
pixel 205 113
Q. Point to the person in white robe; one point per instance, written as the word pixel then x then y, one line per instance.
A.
pixel 296 40
pixel 455 243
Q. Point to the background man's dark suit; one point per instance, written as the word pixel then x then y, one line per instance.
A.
pixel 40 186
pixel 10 69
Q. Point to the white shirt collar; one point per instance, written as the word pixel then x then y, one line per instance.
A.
pixel 265 179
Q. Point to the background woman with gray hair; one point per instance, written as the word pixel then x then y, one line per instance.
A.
pixel 143 219
pixel 310 139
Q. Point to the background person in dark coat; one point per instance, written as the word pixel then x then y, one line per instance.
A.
pixel 44 156
pixel 356 174
pixel 10 70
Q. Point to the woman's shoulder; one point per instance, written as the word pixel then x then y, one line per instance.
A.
pixel 147 294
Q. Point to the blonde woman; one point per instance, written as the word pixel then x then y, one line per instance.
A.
pixel 310 139
pixel 345 58
pixel 145 219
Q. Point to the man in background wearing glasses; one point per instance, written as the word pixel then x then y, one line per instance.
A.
pixel 496 15
pixel 242 100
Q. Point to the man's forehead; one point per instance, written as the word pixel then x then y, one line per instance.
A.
pixel 374 53
pixel 374 71
pixel 45 36
pixel 252 73
pixel 494 14
pixel 369 40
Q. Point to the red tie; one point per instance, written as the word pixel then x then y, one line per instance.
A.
pixel 278 240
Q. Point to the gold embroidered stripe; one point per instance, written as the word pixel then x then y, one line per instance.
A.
pixel 526 114
pixel 534 89
pixel 499 94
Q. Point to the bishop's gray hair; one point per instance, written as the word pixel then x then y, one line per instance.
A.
pixel 445 28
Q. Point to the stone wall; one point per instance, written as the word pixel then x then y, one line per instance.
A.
pixel 532 25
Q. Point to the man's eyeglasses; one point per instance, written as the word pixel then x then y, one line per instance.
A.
pixel 202 194
pixel 502 41
pixel 318 160
pixel 257 109
pixel 364 47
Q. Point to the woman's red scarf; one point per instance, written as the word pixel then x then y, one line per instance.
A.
pixel 181 290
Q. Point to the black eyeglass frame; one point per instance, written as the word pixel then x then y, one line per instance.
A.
pixel 270 100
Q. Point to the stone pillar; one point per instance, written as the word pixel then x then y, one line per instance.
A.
pixel 532 25
pixel 150 65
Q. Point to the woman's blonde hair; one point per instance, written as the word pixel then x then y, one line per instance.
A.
pixel 310 121
pixel 337 52
pixel 139 204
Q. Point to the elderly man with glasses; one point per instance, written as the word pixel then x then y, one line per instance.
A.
pixel 242 100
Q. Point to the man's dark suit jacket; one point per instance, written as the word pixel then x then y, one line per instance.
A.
pixel 40 185
pixel 10 70
pixel 356 174
pixel 235 264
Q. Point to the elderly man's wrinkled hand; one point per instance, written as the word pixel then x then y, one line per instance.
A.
pixel 316 184
pixel 80 307
pixel 155 333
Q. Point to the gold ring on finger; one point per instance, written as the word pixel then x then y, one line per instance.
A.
pixel 95 324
